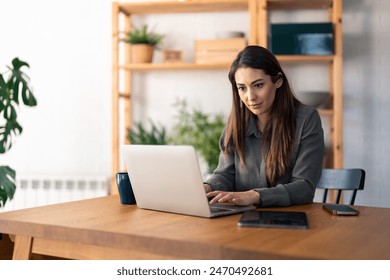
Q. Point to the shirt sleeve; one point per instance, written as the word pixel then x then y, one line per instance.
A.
pixel 306 171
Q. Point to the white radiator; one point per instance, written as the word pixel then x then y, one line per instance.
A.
pixel 31 192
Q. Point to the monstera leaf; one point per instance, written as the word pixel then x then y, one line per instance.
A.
pixel 18 82
pixel 14 86
pixel 7 184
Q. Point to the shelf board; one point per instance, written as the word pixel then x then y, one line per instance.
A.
pixel 298 4
pixel 193 6
pixel 184 6
pixel 296 59
pixel 173 66
pixel 326 112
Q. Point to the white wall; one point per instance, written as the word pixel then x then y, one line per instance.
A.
pixel 366 99
pixel 68 46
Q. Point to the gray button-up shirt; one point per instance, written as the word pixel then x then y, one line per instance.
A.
pixel 297 186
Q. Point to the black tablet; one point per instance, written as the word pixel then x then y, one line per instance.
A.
pixel 275 219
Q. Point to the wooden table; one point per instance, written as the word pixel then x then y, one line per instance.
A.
pixel 101 228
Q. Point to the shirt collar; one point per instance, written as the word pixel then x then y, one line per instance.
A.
pixel 252 127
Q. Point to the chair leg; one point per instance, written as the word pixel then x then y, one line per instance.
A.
pixel 338 196
pixel 352 201
pixel 325 196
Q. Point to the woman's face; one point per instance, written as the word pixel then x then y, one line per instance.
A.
pixel 256 90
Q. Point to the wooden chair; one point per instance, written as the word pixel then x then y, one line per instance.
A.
pixel 341 180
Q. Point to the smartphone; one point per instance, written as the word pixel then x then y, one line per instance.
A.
pixel 341 210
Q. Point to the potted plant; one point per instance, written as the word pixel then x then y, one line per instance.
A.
pixel 14 83
pixel 200 130
pixel 143 43
pixel 139 134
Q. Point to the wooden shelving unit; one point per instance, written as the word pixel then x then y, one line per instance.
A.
pixel 258 11
pixel 334 157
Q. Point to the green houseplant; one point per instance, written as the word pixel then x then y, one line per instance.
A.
pixel 14 83
pixel 200 130
pixel 143 42
pixel 155 135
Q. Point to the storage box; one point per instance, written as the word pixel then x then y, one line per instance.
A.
pixel 218 50
pixel 302 38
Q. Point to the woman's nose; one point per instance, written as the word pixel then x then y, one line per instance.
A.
pixel 251 95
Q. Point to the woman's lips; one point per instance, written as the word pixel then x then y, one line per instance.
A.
pixel 255 105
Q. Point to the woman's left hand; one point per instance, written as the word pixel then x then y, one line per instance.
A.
pixel 240 198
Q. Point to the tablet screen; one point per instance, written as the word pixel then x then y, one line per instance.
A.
pixel 279 219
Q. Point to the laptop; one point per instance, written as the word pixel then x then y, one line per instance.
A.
pixel 168 178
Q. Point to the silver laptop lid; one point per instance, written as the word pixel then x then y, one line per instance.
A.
pixel 166 178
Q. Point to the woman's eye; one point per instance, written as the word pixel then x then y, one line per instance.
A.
pixel 240 88
pixel 259 85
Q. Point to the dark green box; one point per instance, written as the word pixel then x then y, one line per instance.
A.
pixel 302 38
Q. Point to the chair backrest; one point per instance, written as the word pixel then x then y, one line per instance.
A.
pixel 342 180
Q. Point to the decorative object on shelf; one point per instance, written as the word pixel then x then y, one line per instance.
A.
pixel 172 56
pixel 200 130
pixel 302 38
pixel 218 50
pixel 315 99
pixel 143 43
pixel 16 85
pixel 139 134
pixel 230 34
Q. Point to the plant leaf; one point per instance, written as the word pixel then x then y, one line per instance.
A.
pixel 143 36
pixel 139 134
pixel 9 112
pixel 19 77
pixel 7 132
pixel 27 96
pixel 3 86
pixel 7 184
pixel 3 93
pixel 17 63
pixel 200 130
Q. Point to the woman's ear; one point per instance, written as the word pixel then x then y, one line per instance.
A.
pixel 279 81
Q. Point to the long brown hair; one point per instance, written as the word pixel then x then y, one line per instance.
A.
pixel 278 135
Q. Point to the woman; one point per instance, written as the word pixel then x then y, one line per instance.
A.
pixel 272 147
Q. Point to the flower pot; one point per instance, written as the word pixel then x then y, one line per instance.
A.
pixel 142 53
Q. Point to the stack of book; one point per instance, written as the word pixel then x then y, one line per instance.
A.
pixel 218 50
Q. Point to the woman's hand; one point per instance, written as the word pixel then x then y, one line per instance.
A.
pixel 207 188
pixel 240 198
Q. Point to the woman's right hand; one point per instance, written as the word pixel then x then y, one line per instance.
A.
pixel 239 198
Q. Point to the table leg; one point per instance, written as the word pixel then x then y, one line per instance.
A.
pixel 22 249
